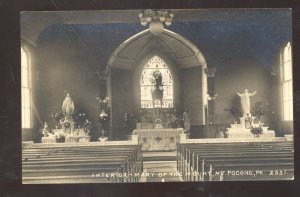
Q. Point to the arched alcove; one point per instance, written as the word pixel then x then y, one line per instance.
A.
pixel 183 58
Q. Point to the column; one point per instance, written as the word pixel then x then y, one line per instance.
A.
pixel 211 96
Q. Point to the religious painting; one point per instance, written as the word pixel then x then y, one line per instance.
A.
pixel 170 95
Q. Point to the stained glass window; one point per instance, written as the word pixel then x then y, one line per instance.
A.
pixel 147 84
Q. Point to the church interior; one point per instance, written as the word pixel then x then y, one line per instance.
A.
pixel 156 95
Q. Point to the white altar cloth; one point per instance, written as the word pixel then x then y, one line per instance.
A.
pixel 158 139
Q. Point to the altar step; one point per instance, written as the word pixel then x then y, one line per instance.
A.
pixel 159 156
pixel 161 166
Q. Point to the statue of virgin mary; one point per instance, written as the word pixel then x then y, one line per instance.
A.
pixel 68 107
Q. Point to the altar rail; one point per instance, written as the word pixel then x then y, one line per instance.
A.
pixel 93 162
pixel 232 160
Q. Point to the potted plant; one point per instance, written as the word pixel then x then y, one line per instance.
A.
pixel 256 130
pixel 258 110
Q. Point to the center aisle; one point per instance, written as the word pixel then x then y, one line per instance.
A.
pixel 160 166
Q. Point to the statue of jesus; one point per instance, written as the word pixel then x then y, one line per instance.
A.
pixel 245 101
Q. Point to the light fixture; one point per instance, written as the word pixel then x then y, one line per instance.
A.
pixel 211 98
pixel 156 19
pixel 156 27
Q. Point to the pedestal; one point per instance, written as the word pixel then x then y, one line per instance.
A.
pixel 242 123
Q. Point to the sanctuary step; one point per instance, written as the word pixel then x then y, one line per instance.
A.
pixel 159 156
pixel 160 166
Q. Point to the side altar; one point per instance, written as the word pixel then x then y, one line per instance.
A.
pixel 67 130
pixel 158 139
pixel 241 131
pixel 59 135
pixel 247 128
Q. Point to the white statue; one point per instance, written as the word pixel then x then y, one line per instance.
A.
pixel 187 120
pixel 245 101
pixel 68 107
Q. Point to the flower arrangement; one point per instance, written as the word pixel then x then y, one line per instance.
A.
pixel 256 130
pixel 59 137
pixel 66 124
pixel 235 112
pixel 87 126
pixel 58 116
pixel 80 120
pixel 259 109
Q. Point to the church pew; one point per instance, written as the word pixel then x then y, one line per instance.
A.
pixel 96 153
pixel 184 154
pixel 54 170
pixel 79 160
pixel 67 179
pixel 183 149
pixel 93 150
pixel 198 156
pixel 209 164
pixel 37 153
pixel 189 154
pixel 201 158
pixel 268 171
pixel 194 153
pixel 246 158
pixel 121 165
pixel 62 161
pixel 82 170
pixel 201 163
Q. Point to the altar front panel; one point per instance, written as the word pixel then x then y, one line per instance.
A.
pixel 158 139
pixel 248 134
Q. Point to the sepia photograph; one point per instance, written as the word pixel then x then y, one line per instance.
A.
pixel 156 95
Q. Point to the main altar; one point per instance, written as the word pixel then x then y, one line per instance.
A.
pixel 158 139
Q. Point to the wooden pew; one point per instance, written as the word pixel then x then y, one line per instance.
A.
pixel 195 158
pixel 81 164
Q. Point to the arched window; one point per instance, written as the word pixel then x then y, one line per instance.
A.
pixel 26 90
pixel 286 82
pixel 147 84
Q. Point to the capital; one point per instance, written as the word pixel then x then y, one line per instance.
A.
pixel 210 71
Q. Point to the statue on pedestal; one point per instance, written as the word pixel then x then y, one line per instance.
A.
pixel 68 107
pixel 46 130
pixel 245 101
pixel 187 120
pixel 103 118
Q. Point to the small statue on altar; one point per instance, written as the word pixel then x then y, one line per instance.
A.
pixel 103 118
pixel 187 120
pixel 249 119
pixel 173 121
pixel 68 107
pixel 245 101
pixel 87 127
pixel 46 130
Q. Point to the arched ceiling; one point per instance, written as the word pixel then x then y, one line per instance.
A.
pixel 257 33
pixel 33 23
pixel 168 42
